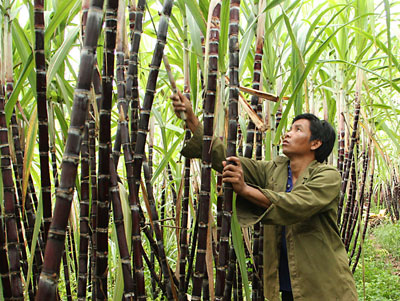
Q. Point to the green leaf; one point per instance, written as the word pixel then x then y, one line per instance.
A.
pixel 66 10
pixel 29 150
pixel 167 157
pixel 196 13
pixel 59 57
pixel 237 238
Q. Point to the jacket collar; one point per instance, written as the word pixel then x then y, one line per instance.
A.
pixel 281 174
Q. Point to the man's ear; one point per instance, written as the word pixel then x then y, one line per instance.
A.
pixel 315 144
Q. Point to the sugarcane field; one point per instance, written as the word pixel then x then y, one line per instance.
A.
pixel 200 150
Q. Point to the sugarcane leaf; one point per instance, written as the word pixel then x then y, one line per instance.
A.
pixel 29 150
pixel 61 120
pixel 59 57
pixel 196 40
pixel 310 64
pixel 32 247
pixel 167 157
pixel 10 105
pixel 126 211
pixel 239 249
pixel 247 41
pixel 66 10
pixel 389 40
pixel 223 36
pixel 275 3
pixel 395 138
pixel 197 15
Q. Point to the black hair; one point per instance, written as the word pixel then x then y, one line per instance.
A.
pixel 320 130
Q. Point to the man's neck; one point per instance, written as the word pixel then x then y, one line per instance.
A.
pixel 298 165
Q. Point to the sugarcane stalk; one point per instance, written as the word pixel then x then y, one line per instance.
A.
pixel 120 229
pixel 42 114
pixel 8 64
pixel 120 72
pixel 223 257
pixel 104 150
pixel 84 215
pixel 183 241
pixel 357 217
pixel 368 205
pixel 9 206
pixel 191 256
pixel 350 201
pixel 347 169
pixel 141 138
pixel 341 144
pixel 231 273
pixel 64 194
pixel 132 85
pixel 93 176
pixel 4 268
pixel 208 109
pixel 66 275
pixel 166 270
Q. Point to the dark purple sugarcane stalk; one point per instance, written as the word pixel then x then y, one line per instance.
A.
pixel 4 266
pixel 220 206
pixel 141 139
pixel 357 217
pixel 132 84
pixel 223 257
pixel 251 128
pixel 193 243
pixel 120 229
pixel 93 178
pixel 255 279
pixel 55 243
pixel 347 169
pixel 183 241
pixel 121 85
pixel 66 276
pixel 166 270
pixel 341 143
pixel 368 205
pixel 18 209
pixel 84 215
pixel 9 207
pixel 4 269
pixel 230 275
pixel 153 273
pixel 42 114
pixel 85 232
pixel 350 201
pixel 104 150
pixel 208 109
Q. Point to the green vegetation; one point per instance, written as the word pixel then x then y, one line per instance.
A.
pixel 381 252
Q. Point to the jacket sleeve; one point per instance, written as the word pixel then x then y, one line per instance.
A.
pixel 312 196
pixel 254 171
pixel 194 147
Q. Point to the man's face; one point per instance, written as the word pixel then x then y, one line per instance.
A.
pixel 296 141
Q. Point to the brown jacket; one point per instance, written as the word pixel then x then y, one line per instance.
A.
pixel 318 263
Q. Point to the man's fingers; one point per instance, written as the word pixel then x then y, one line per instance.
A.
pixel 234 160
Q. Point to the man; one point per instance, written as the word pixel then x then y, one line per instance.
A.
pixel 296 198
